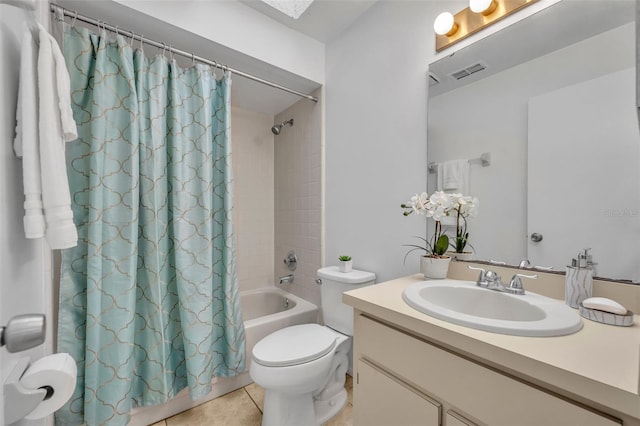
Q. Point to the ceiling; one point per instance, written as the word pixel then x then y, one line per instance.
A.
pixel 324 20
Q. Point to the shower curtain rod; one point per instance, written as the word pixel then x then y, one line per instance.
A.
pixel 101 24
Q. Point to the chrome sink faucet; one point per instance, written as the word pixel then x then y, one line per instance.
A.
pixel 491 280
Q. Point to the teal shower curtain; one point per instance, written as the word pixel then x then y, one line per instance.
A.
pixel 149 297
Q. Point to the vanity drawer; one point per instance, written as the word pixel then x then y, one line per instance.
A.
pixel 389 401
pixel 490 397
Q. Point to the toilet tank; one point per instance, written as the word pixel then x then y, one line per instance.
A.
pixel 336 314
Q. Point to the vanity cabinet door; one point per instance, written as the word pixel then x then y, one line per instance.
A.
pixel 383 400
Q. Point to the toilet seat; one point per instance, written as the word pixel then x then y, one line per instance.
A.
pixel 294 345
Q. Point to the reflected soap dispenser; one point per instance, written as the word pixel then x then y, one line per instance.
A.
pixel 579 279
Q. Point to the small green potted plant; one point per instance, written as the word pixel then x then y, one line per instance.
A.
pixel 345 263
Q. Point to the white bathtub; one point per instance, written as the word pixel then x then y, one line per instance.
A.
pixel 264 310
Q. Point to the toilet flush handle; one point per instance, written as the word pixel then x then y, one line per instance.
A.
pixel 319 281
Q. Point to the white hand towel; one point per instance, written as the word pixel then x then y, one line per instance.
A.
pixel 26 144
pixel 63 85
pixel 55 127
pixel 454 176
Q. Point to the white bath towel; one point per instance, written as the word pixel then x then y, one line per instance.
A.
pixel 26 144
pixel 453 176
pixel 45 122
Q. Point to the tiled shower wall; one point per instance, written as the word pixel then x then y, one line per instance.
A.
pixel 253 165
pixel 298 195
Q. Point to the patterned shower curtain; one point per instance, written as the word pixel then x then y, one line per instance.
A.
pixel 149 297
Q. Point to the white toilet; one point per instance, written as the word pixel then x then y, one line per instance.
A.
pixel 302 368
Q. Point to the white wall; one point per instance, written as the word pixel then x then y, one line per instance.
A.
pixel 252 144
pixel 298 202
pixel 376 133
pixel 25 265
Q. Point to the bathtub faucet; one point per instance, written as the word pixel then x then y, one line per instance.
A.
pixel 286 279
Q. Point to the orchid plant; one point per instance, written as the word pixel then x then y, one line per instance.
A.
pixel 438 206
pixel 462 207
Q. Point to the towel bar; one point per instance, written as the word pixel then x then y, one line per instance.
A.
pixel 484 160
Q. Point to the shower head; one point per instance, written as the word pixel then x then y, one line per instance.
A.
pixel 278 127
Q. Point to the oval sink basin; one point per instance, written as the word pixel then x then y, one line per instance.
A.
pixel 464 303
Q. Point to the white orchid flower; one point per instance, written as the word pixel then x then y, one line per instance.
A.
pixel 419 202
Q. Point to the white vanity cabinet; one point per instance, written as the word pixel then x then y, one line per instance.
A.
pixel 404 379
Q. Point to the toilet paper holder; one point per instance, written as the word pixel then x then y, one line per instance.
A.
pixel 18 400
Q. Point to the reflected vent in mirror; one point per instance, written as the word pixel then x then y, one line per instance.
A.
pixel 466 72
pixel 433 79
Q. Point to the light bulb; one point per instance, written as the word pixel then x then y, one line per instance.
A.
pixel 486 7
pixel 444 24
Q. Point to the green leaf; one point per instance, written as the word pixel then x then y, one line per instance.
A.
pixel 441 245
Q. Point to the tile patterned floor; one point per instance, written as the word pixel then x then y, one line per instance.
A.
pixel 243 407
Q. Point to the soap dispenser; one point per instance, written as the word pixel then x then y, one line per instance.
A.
pixel 579 279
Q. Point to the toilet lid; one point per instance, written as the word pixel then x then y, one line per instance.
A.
pixel 294 345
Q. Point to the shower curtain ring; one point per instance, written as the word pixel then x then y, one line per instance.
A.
pixel 142 42
pixel 193 59
pixel 59 15
pixel 171 53
pixel 117 33
pixel 75 17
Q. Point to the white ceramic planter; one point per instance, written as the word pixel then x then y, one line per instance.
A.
pixel 467 255
pixel 345 266
pixel 435 267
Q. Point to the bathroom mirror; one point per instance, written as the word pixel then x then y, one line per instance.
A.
pixel 552 99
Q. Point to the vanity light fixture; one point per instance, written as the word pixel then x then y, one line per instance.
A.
pixel 480 14
pixel 486 7
pixel 445 24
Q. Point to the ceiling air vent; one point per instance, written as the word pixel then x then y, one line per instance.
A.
pixel 466 72
pixel 433 79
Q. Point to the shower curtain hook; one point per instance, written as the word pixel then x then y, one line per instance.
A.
pixel 215 67
pixel 117 33
pixel 193 59
pixel 171 53
pixel 75 17
pixel 59 15
pixel 142 43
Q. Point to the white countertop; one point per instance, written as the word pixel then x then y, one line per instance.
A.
pixel 599 365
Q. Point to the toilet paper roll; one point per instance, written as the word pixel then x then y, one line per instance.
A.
pixel 57 373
